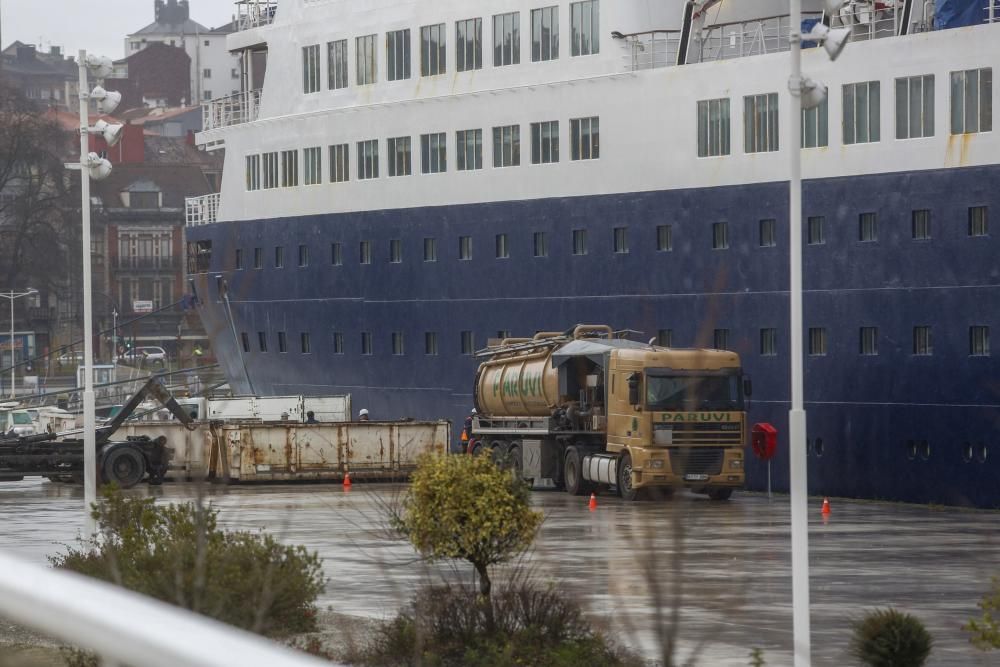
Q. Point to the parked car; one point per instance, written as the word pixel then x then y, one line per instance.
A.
pixel 148 355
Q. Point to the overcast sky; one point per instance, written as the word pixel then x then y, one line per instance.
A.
pixel 99 26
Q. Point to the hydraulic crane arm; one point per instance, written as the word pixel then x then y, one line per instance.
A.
pixel 154 388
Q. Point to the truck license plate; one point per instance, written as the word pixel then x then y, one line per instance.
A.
pixel 695 478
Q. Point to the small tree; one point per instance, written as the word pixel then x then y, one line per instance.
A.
pixel 890 638
pixel 985 630
pixel 465 507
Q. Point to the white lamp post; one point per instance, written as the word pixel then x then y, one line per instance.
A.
pixel 10 296
pixel 806 94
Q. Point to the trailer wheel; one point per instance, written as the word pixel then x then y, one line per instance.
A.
pixel 573 472
pixel 625 489
pixel 125 466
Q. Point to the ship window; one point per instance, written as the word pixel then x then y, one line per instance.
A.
pixel 368 159
pixel 972 101
pixel 922 341
pixel 366 342
pixel 507 146
pixel 245 340
pixel 434 153
pixel 397 54
pixel 545 142
pixel 465 247
pixel 289 168
pixel 620 239
pixel 253 172
pixel 395 251
pixel 768 342
pixel 814 231
pixel 768 235
pixel 713 128
pixel 433 59
pixel 313 165
pixel 336 62
pixel 861 112
pixel 817 341
pixel 270 163
pixel 338 342
pixel 979 341
pixel 544 34
pixel 915 107
pixel 367 63
pixel 665 337
pixel 310 69
pixel 262 341
pixel 468 44
pixel 397 343
pixel 579 241
pixel 339 163
pixel 507 39
pixel 279 257
pixel 867 227
pixel 469 149
pixel 303 256
pixel 921 225
pixel 468 343
pixel 664 238
pixel 365 252
pixel 585 134
pixel 541 245
pixel 585 27
pixel 305 343
pixel 400 162
pixel 760 123
pixel 239 259
pixel 978 222
pixel 815 125
pixel 336 254
pixel 720 235
pixel 258 258
pixel 431 343
pixel 430 250
pixel 869 341
pixel 720 339
pixel 502 249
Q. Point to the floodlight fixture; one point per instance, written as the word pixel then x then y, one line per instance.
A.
pixel 811 93
pixel 833 39
pixel 98 167
pixel 112 132
pixel 100 66
pixel 107 100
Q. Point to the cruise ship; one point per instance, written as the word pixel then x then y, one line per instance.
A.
pixel 405 181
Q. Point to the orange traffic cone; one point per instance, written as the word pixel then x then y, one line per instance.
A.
pixel 347 480
pixel 593 502
pixel 826 506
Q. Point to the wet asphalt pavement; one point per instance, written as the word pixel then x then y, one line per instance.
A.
pixel 726 565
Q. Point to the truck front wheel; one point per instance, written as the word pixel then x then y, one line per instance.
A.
pixel 625 488
pixel 124 466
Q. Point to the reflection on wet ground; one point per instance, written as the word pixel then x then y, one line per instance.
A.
pixel 727 563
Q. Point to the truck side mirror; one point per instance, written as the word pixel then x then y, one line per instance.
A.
pixel 747 387
pixel 633 389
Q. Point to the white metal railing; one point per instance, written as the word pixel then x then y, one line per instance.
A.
pixel 652 50
pixel 202 210
pixel 255 13
pixel 123 627
pixel 231 110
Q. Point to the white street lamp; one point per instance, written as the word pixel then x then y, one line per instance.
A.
pixel 10 296
pixel 805 94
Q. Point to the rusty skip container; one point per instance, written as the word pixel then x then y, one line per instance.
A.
pixel 255 452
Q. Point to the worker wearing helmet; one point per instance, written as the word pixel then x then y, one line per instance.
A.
pixel 363 415
pixel 467 429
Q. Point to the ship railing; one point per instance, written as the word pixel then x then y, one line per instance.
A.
pixel 141 630
pixel 255 13
pixel 868 20
pixel 202 210
pixel 652 49
pixel 231 110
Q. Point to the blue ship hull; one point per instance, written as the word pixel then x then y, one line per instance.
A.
pixel 892 425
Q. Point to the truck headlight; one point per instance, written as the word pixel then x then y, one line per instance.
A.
pixel 657 464
pixel 736 463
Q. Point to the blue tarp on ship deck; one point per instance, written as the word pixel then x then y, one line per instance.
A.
pixel 958 13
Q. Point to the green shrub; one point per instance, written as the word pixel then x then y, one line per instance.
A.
pixel 178 554
pixel 890 638
pixel 985 630
pixel 523 626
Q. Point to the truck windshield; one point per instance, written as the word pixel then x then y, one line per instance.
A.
pixel 693 392
pixel 22 418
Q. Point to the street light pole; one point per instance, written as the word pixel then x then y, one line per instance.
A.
pixel 10 296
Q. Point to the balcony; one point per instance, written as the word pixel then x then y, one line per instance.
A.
pixel 202 210
pixel 255 13
pixel 231 110
pixel 146 264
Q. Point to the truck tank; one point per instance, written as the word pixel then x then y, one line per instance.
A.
pixel 522 382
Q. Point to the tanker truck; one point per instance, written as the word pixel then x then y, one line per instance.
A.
pixel 589 410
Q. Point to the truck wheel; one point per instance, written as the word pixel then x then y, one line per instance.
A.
pixel 573 473
pixel 514 462
pixel 722 493
pixel 625 489
pixel 125 466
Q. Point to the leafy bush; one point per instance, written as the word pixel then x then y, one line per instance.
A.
pixel 178 554
pixel 985 630
pixel 523 626
pixel 890 638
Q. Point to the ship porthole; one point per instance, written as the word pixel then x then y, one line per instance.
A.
pixel 925 450
pixel 911 449
pixel 967 453
pixel 983 451
pixel 809 446
pixel 818 447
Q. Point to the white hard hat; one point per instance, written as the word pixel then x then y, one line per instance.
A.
pixel 473 411
pixel 364 411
